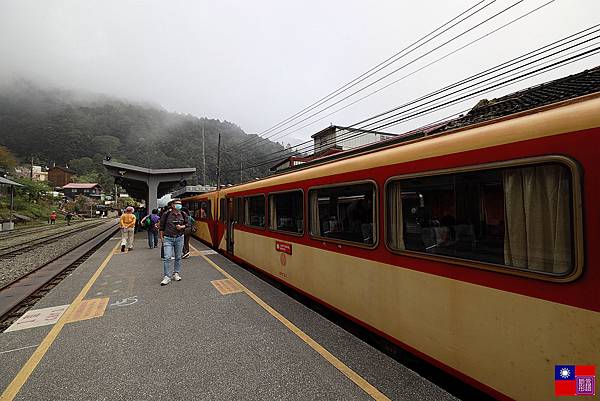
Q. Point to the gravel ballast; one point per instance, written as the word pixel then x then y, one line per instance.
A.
pixel 17 266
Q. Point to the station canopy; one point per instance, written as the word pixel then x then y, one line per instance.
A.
pixel 147 183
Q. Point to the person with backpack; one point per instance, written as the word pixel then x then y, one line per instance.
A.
pixel 173 224
pixel 187 234
pixel 150 222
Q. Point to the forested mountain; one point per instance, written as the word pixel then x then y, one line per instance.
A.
pixel 64 127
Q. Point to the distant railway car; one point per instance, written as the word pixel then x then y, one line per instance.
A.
pixel 475 249
pixel 203 208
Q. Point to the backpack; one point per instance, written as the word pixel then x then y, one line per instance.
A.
pixel 185 218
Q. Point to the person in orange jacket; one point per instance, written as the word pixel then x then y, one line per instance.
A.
pixel 53 217
pixel 127 223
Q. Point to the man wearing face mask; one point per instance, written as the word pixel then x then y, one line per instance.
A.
pixel 172 227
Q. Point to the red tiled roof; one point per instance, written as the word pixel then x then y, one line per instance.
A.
pixel 81 185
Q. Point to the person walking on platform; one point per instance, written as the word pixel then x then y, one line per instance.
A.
pixel 138 220
pixel 151 223
pixel 187 234
pixel 53 217
pixel 172 227
pixel 127 223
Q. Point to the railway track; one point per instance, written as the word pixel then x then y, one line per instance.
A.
pixel 21 232
pixel 14 250
pixel 21 294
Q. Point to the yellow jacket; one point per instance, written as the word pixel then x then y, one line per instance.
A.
pixel 127 220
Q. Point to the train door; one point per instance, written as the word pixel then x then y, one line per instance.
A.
pixel 230 216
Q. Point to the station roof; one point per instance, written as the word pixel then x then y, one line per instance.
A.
pixel 569 87
pixel 6 181
pixel 152 171
pixel 135 179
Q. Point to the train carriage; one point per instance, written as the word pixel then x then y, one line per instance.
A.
pixel 473 248
pixel 203 208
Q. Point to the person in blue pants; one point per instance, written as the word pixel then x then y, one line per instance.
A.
pixel 150 222
pixel 173 224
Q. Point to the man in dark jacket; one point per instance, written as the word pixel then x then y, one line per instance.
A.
pixel 172 228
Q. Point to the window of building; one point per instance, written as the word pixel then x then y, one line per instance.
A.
pixel 344 213
pixel 286 212
pixel 519 217
pixel 254 211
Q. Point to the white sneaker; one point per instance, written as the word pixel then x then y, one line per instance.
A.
pixel 166 280
pixel 176 277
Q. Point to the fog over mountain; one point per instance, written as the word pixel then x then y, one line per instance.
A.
pixel 256 63
pixel 63 127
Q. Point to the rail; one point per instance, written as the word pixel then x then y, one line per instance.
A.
pixel 19 295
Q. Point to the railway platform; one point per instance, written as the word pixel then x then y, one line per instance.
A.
pixel 109 331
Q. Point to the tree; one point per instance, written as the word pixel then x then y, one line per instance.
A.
pixel 34 190
pixel 80 205
pixel 83 165
pixel 7 160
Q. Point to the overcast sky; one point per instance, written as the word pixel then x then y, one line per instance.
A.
pixel 255 63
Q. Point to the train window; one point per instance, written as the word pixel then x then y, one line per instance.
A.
pixel 344 213
pixel 286 212
pixel 254 211
pixel 203 210
pixel 223 210
pixel 238 210
pixel 517 217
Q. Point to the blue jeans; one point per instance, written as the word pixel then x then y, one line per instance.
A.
pixel 152 238
pixel 172 245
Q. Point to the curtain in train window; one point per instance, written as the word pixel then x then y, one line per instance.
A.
pixel 313 211
pixel 286 211
pixel 395 226
pixel 518 216
pixel 255 211
pixel 344 213
pixel 538 219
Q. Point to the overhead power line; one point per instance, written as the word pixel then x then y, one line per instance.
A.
pixel 523 58
pixel 415 71
pixel 490 87
pixel 395 70
pixel 373 70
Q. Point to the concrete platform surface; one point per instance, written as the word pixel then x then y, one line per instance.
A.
pixel 188 341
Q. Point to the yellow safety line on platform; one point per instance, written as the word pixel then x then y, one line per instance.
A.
pixel 329 357
pixel 21 378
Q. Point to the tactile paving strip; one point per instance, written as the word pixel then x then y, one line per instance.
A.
pixel 226 286
pixel 89 309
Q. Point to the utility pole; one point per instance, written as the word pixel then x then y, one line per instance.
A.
pixel 31 172
pixel 219 163
pixel 241 167
pixel 203 158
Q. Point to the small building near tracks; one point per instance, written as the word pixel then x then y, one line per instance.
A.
pixel 10 194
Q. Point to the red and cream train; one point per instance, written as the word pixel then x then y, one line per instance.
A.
pixel 475 249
